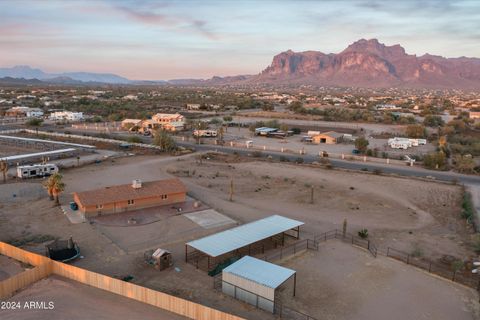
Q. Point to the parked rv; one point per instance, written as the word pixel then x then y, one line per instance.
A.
pixel 36 170
pixel 205 133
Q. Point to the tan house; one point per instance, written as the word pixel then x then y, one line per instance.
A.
pixel 170 122
pixel 330 137
pixel 165 121
pixel 129 197
pixel 474 115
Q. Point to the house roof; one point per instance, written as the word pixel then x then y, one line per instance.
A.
pixel 229 240
pixel 134 121
pixel 332 134
pixel 259 271
pixel 127 192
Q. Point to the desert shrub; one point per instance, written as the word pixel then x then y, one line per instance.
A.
pixel 134 139
pixel 363 233
pixel 467 207
pixel 35 122
pixel 417 252
pixel 299 160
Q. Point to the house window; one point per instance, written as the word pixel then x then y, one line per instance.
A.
pixel 99 206
pixel 130 202
pixel 164 197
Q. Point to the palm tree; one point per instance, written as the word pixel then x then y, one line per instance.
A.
pixel 48 185
pixel 55 187
pixel 58 187
pixel 4 169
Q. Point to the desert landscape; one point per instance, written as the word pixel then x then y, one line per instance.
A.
pixel 416 216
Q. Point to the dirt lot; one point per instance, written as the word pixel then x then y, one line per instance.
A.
pixel 72 300
pixel 409 215
pixel 406 214
pixel 372 288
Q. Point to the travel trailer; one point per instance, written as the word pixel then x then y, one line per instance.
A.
pixel 36 170
pixel 205 133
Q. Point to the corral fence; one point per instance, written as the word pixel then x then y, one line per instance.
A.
pixel 301 152
pixel 290 250
pixel 459 275
pixel 80 137
pixel 349 238
pixel 464 277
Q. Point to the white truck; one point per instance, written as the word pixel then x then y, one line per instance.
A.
pixel 36 170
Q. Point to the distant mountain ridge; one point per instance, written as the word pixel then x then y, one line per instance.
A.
pixel 369 63
pixel 364 63
pixel 29 73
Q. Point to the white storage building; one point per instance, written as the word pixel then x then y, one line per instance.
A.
pixel 254 281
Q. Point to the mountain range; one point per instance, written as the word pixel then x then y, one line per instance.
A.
pixel 369 63
pixel 365 63
pixel 29 73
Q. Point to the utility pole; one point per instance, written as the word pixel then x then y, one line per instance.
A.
pixel 231 190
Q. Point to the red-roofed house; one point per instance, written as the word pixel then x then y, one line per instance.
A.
pixel 129 197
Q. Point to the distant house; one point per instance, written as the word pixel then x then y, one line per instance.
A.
pixel 67 115
pixel 383 107
pixel 130 123
pixel 170 122
pixel 129 197
pixel 474 114
pixel 17 112
pixel 34 113
pixel 193 106
pixel 330 137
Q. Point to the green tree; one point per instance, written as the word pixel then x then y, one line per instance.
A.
pixel 464 164
pixel 35 122
pixel 435 160
pixel 296 106
pixel 164 140
pixel 415 131
pixel 361 143
pixel 433 121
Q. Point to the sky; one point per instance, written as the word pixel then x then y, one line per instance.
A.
pixel 155 40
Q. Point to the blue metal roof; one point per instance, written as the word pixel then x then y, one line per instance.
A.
pixel 259 271
pixel 241 236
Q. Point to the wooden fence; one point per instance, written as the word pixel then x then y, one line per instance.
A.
pixel 43 267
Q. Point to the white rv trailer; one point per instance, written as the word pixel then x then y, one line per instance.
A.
pixel 205 133
pixel 399 145
pixel 36 170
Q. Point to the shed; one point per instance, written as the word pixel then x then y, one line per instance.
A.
pixel 330 137
pixel 254 281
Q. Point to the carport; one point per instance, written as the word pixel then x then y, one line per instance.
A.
pixel 247 239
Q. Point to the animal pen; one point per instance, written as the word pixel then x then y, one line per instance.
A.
pixel 215 252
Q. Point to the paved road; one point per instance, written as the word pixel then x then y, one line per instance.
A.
pixel 352 165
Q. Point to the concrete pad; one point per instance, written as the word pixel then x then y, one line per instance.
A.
pixel 74 216
pixel 209 219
